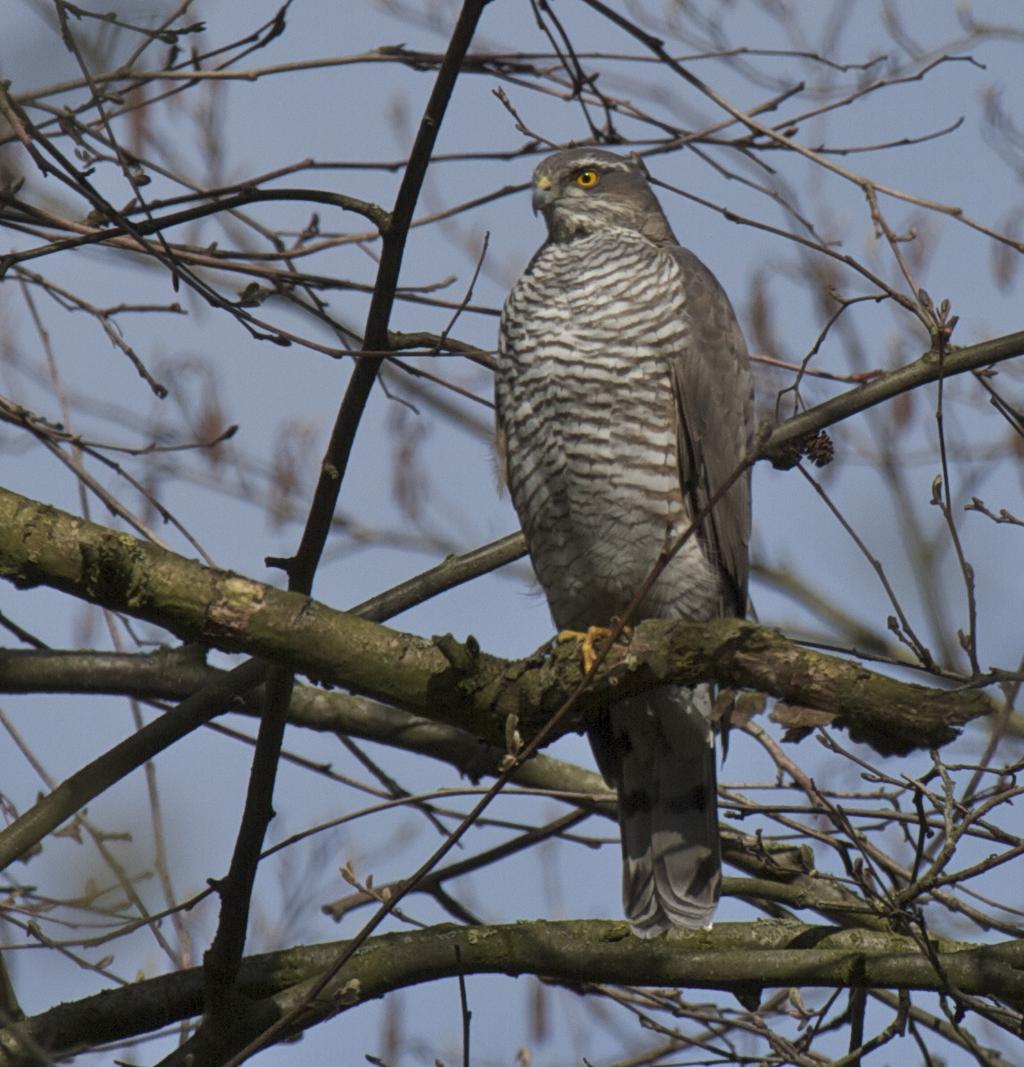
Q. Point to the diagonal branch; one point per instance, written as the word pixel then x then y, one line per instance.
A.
pixel 929 368
pixel 225 953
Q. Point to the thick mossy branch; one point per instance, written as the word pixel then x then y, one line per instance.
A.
pixel 736 957
pixel 893 717
pixel 448 680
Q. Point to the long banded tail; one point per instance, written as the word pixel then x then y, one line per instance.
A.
pixel 658 750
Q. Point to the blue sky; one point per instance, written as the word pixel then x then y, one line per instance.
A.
pixel 284 401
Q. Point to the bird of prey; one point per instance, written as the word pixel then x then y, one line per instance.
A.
pixel 624 406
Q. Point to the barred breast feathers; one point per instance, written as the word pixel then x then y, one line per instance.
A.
pixel 623 389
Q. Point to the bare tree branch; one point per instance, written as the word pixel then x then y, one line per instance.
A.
pixel 745 958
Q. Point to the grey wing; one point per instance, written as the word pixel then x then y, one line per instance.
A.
pixel 714 409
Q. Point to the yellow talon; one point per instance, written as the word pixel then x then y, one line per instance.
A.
pixel 587 639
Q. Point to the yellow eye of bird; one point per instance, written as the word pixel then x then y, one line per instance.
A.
pixel 587 179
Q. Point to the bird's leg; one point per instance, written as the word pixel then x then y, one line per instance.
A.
pixel 587 639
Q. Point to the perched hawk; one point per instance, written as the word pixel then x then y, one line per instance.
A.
pixel 624 403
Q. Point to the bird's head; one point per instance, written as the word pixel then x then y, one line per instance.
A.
pixel 586 190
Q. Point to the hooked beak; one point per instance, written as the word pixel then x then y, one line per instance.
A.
pixel 542 194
